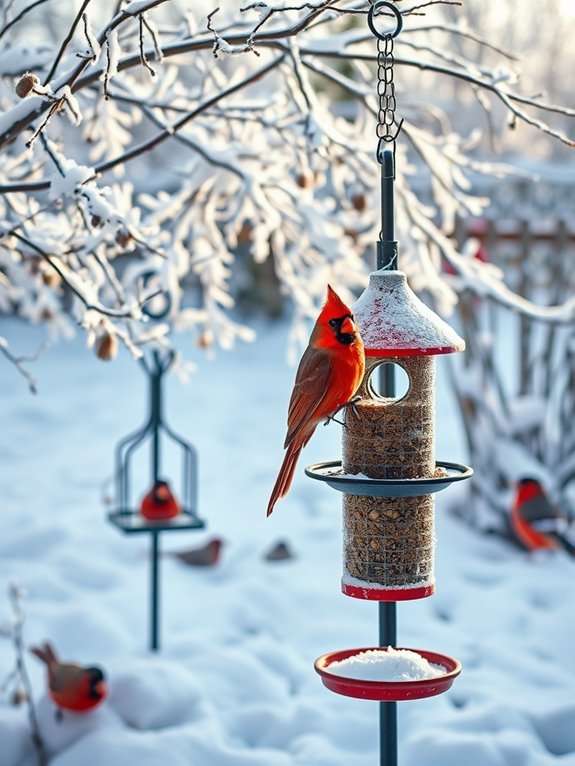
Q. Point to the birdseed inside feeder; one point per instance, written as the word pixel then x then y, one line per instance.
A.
pixel 389 541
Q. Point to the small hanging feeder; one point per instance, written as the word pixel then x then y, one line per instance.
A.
pixel 158 508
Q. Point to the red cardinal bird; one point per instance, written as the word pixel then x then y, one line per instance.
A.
pixel 159 503
pixel 328 376
pixel 71 687
pixel 535 522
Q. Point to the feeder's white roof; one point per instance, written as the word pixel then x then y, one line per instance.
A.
pixel 394 322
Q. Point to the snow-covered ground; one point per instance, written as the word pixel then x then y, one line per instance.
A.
pixel 234 683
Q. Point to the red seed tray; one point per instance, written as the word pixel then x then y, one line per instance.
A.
pixel 387 691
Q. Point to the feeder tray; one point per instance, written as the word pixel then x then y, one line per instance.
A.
pixel 387 691
pixel 331 473
pixel 131 522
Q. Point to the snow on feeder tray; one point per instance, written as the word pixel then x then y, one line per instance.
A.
pixel 387 674
pixel 159 509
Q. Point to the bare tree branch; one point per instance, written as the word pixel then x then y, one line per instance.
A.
pixel 20 16
pixel 66 41
pixel 19 363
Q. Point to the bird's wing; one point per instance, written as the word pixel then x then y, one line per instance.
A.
pixel 61 676
pixel 310 388
pixel 539 511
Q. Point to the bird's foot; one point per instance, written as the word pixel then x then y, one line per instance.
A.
pixel 352 402
pixel 334 419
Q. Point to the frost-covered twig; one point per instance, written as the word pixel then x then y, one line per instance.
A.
pixel 9 24
pixel 143 57
pixel 19 675
pixel 66 41
pixel 73 283
pixel 416 9
pixel 19 363
pixel 508 98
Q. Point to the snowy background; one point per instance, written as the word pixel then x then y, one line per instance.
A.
pixel 234 683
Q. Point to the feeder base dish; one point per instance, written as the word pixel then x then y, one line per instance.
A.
pixel 331 473
pixel 387 691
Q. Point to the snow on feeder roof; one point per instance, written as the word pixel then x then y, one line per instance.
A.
pixel 393 322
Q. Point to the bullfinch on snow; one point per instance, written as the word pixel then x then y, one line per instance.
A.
pixel 71 687
pixel 535 522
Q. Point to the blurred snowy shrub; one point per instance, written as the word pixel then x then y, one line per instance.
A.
pixel 515 384
pixel 143 144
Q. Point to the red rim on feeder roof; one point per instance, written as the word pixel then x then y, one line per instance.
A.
pixel 394 322
pixel 387 691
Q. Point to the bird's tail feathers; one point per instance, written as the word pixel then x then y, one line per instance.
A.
pixel 285 476
pixel 46 653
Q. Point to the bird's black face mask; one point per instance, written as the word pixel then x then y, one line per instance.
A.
pixel 341 326
pixel 96 678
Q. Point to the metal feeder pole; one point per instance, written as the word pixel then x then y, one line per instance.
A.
pixel 387 259
pixel 155 420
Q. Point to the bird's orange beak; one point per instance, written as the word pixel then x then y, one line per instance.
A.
pixel 348 326
pixel 100 688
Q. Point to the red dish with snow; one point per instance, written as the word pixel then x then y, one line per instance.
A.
pixel 389 690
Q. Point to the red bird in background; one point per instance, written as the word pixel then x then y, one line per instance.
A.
pixel 328 376
pixel 535 521
pixel 159 503
pixel 71 687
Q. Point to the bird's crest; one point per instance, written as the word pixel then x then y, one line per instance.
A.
pixel 334 307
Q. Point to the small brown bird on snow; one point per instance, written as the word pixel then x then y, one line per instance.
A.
pixel 279 552
pixel 207 555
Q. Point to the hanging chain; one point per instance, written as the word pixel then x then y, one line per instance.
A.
pixel 386 129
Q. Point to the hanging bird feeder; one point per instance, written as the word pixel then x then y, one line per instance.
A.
pixel 158 508
pixel 388 473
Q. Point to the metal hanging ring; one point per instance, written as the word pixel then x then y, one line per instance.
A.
pixel 162 311
pixel 398 17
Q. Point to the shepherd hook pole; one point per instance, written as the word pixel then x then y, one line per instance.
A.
pixel 386 259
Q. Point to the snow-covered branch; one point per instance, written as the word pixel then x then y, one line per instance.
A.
pixel 138 168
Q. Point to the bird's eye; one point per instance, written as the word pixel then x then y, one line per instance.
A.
pixel 333 322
